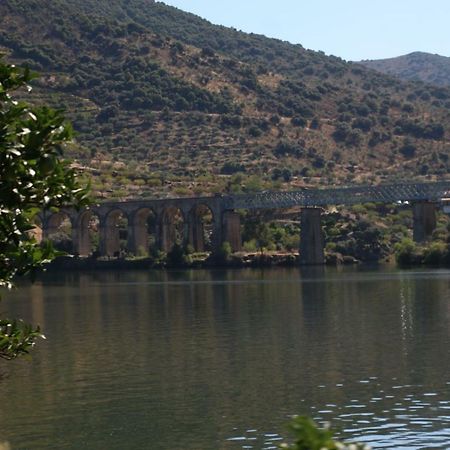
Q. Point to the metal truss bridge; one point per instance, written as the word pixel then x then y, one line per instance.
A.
pixel 402 192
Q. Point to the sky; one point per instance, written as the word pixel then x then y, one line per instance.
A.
pixel 350 29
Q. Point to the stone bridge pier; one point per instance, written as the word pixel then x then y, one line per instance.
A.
pixel 80 234
pixel 424 220
pixel 231 230
pixel 312 241
pixel 168 232
pixel 137 231
pixel 196 231
pixel 109 234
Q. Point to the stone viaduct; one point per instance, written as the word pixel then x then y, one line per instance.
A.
pixel 183 219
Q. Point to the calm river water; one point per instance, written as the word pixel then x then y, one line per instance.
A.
pixel 210 360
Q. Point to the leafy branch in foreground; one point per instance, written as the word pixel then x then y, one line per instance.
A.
pixel 308 436
pixel 16 338
pixel 32 177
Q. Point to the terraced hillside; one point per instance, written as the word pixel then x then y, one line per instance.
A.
pixel 166 103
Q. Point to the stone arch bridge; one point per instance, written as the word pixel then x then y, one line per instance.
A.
pixel 183 219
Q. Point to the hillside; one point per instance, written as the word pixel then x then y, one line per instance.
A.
pixel 166 103
pixel 433 69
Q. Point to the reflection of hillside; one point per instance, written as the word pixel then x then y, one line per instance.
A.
pixel 193 354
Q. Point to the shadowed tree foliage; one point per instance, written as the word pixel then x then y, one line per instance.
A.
pixel 32 178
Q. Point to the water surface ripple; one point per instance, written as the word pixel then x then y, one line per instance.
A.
pixel 222 359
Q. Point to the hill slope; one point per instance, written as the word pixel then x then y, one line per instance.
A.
pixel 433 69
pixel 166 103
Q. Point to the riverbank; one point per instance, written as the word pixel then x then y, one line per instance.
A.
pixel 204 261
pixel 236 260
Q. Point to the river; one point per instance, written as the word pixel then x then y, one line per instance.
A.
pixel 221 359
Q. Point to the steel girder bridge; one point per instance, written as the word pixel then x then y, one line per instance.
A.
pixel 392 193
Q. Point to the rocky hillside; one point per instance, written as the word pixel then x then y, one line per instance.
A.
pixel 433 69
pixel 166 103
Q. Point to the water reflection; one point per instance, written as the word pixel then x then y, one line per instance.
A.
pixel 221 359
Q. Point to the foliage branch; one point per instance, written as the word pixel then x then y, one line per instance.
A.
pixel 32 178
pixel 309 436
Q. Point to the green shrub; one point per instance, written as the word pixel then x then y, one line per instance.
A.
pixel 250 246
pixel 230 168
pixel 408 149
pixel 308 436
pixel 224 253
pixel 285 148
pixel 406 252
pixel 298 121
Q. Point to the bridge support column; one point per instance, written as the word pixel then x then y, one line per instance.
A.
pixel 137 242
pixel 80 240
pixel 216 237
pixel 231 230
pixel 196 233
pixel 312 241
pixel 109 240
pixel 168 234
pixel 424 220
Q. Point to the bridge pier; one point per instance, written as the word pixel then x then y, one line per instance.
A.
pixel 109 238
pixel 168 233
pixel 196 232
pixel 217 233
pixel 312 240
pixel 424 220
pixel 80 235
pixel 137 242
pixel 231 230
pixel 80 240
pixel 138 232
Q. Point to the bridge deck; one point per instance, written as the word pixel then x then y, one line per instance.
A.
pixel 342 196
pixel 401 192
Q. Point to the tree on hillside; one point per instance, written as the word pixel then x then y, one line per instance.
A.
pixel 32 178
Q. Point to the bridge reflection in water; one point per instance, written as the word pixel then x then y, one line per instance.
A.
pixel 185 220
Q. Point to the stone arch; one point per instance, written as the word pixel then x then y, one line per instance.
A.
pixel 87 235
pixel 58 228
pixel 114 233
pixel 201 223
pixel 172 228
pixel 142 231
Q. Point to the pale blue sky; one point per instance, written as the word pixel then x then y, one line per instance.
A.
pixel 351 29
